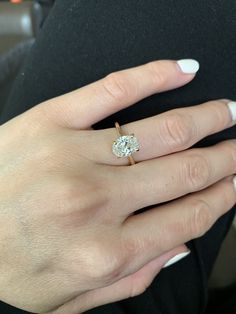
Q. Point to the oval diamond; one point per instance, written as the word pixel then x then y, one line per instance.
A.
pixel 125 146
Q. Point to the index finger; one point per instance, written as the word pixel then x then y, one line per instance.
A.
pixel 87 105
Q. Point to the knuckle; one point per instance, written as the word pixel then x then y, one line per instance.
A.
pixel 229 147
pixel 104 263
pixel 90 196
pixel 196 171
pixel 115 86
pixel 158 73
pixel 227 198
pixel 201 218
pixel 228 195
pixel 83 199
pixel 221 112
pixel 177 131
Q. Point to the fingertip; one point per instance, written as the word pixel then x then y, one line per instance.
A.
pixel 188 66
pixel 176 258
pixel 173 256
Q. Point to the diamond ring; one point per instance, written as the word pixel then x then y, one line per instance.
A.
pixel 125 145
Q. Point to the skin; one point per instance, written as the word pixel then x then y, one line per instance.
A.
pixel 69 239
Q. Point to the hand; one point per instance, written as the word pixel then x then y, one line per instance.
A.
pixel 69 239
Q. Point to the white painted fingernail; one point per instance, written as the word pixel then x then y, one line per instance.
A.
pixel 188 65
pixel 234 182
pixel 232 109
pixel 176 258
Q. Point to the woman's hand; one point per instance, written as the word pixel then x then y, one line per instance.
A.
pixel 69 239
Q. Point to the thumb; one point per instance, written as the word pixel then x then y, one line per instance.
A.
pixel 82 108
pixel 127 287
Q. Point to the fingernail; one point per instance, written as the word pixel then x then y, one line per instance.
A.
pixel 232 109
pixel 188 65
pixel 234 181
pixel 176 258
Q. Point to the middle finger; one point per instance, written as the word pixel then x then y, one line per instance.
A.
pixel 169 177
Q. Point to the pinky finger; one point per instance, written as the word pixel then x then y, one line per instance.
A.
pixel 127 287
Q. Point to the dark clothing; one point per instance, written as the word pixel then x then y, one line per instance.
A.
pixel 82 41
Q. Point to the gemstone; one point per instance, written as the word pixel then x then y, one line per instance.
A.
pixel 125 146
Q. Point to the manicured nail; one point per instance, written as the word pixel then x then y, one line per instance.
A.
pixel 176 258
pixel 234 181
pixel 232 109
pixel 188 65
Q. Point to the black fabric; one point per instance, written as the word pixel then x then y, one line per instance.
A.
pixel 10 64
pixel 82 41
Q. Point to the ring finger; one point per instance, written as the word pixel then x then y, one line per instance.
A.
pixel 171 131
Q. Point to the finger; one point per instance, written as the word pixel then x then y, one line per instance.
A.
pixel 129 286
pixel 165 227
pixel 169 132
pixel 89 104
pixel 172 176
